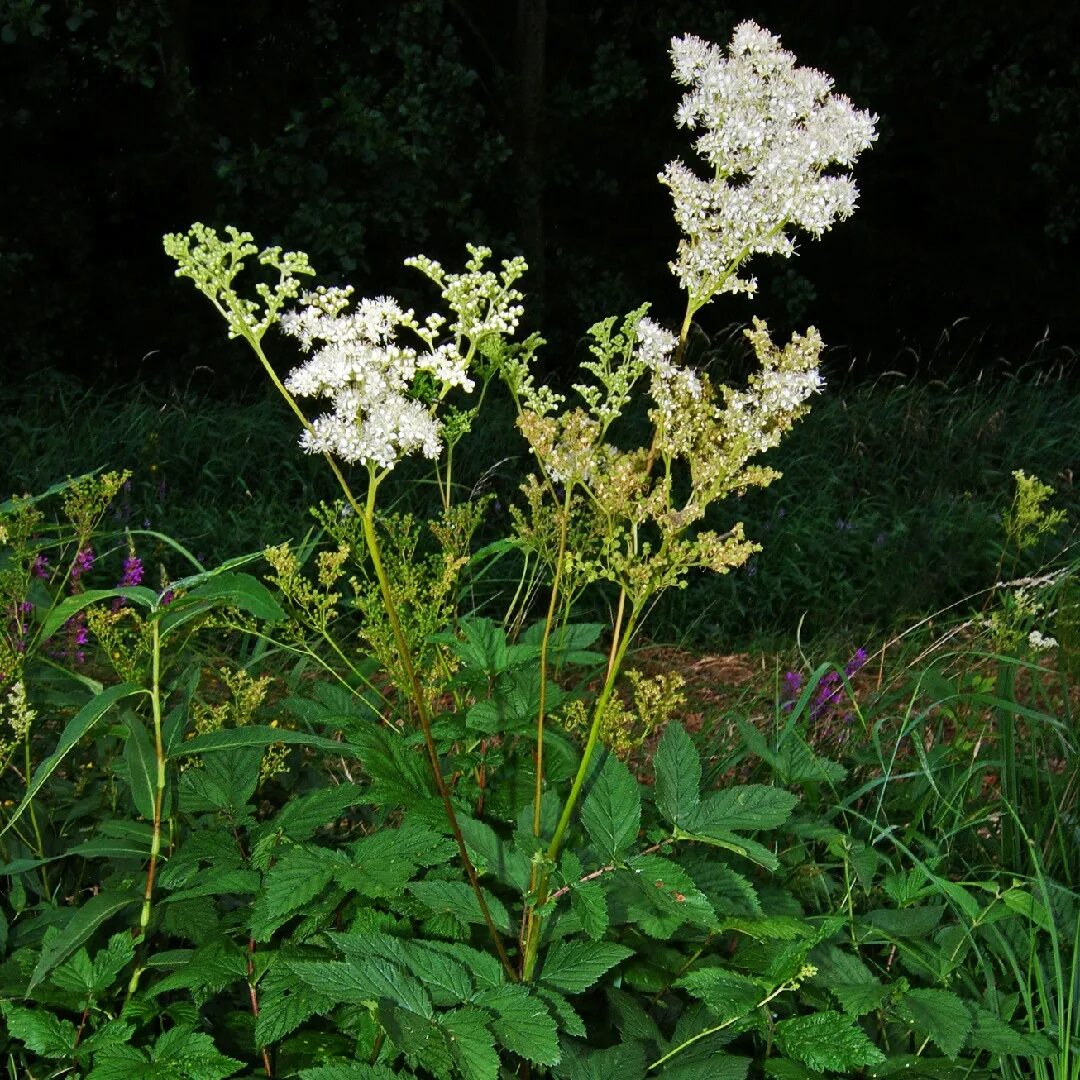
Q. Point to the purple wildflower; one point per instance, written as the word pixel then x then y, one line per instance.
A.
pixel 83 563
pixel 133 572
pixel 793 682
pixel 856 662
pixel 40 567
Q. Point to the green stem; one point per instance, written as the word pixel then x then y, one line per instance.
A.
pixel 619 644
pixel 417 693
pixel 1010 787
pixel 159 794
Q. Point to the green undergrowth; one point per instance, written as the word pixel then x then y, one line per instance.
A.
pixel 891 495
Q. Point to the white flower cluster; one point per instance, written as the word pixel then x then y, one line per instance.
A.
pixel 776 395
pixel 769 132
pixel 368 377
pixel 1041 642
pixel 670 383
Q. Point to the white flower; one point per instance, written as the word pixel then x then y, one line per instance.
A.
pixel 769 129
pixel 670 383
pixel 368 378
pixel 1040 642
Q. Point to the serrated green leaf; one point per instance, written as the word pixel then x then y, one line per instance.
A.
pixel 492 854
pixel 738 845
pixel 726 993
pixel 353 1070
pixel 996 1036
pixel 122 1063
pixel 76 728
pixel 471 1044
pixel 573 966
pixel 302 816
pixel 361 980
pixel 80 975
pixel 484 968
pixel 299 875
pixel 84 922
pixel 521 1023
pixel 941 1015
pixel 746 808
pixel 458 899
pixel 826 1040
pixel 583 1062
pixel 911 922
pixel 183 1052
pixel 40 1031
pixel 785 1069
pixel 566 1016
pixel 399 775
pixel 589 903
pixel 677 767
pixel 611 812
pixel 225 780
pixel 665 897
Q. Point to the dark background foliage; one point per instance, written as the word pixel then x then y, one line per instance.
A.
pixel 366 132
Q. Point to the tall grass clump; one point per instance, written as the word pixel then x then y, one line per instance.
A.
pixel 368 817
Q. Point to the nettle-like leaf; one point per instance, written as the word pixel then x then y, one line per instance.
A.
pixel 458 899
pixel 90 978
pixel 299 875
pixel 582 1062
pixel 399 774
pixel 39 1030
pixel 726 993
pixel 849 980
pixel 939 1015
pixel 569 643
pixel 303 816
pixel 521 1022
pixel 365 979
pixel 678 776
pixel 491 854
pixel 573 966
pixel 826 1040
pixel 792 761
pixel 471 1044
pixel 747 808
pixel 611 811
pixel 659 896
pixel 589 902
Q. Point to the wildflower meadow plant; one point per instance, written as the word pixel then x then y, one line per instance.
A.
pixel 485 889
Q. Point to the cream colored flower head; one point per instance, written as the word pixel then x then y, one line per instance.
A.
pixel 769 131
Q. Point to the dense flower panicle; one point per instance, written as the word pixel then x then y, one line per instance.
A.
pixel 769 132
pixel 368 377
pixel 670 383
pixel 132 573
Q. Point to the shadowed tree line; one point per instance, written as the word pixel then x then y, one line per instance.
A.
pixel 364 133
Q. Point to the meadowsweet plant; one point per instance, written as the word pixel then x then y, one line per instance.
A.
pixel 484 889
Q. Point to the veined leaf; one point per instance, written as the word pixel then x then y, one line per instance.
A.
pixel 726 993
pixel 39 1030
pixel 589 902
pixel 141 766
pixel 221 590
pixel 491 854
pixel 302 816
pixel 573 966
pixel 471 1044
pixel 826 1040
pixel 369 979
pixel 77 727
pixel 86 920
pixel 611 812
pixel 257 736
pixel 746 808
pixel 678 776
pixel 940 1015
pixel 458 899
pixel 522 1023
pixel 298 876
pixel 740 845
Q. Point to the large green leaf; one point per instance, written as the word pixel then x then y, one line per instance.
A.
pixel 77 727
pixel 678 776
pixel 746 808
pixel 573 966
pixel 827 1040
pixel 297 877
pixel 941 1016
pixel 85 921
pixel 258 735
pixel 611 812
pixel 522 1023
pixel 491 854
pixel 141 764
pixel 40 1031
pixel 222 590
pixel 458 899
pixel 471 1044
